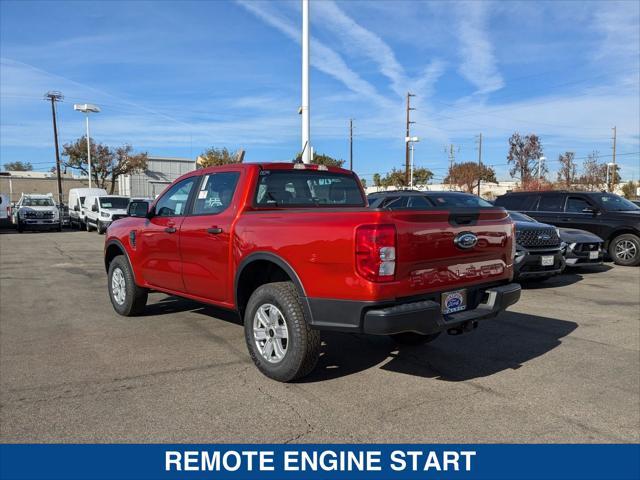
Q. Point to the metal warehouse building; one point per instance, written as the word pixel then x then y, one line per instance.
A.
pixel 160 172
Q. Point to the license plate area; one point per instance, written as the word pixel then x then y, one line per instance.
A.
pixel 593 255
pixel 546 260
pixel 452 302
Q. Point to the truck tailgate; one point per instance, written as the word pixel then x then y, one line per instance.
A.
pixel 428 258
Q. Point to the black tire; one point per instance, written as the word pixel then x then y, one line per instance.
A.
pixel 100 228
pixel 20 227
pixel 625 250
pixel 412 338
pixel 87 225
pixel 135 297
pixel 303 343
pixel 59 228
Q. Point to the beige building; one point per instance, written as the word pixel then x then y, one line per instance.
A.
pixel 13 184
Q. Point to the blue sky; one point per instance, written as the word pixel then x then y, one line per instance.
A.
pixel 173 78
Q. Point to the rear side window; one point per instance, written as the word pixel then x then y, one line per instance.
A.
pixel 551 203
pixel 517 202
pixel 216 192
pixel 307 188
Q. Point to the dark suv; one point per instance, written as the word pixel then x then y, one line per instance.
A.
pixel 609 216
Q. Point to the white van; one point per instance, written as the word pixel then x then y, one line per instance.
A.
pixel 76 204
pixel 101 210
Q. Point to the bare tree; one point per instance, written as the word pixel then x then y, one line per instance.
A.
pixel 567 172
pixel 594 176
pixel 524 156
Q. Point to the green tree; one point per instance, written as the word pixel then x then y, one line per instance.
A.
pixel 215 157
pixel 466 175
pixel 377 181
pixel 18 166
pixel 524 156
pixel 107 164
pixel 421 176
pixel 322 159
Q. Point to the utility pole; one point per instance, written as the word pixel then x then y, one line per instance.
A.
pixel 452 161
pixel 613 160
pixel 351 144
pixel 304 108
pixel 479 161
pixel 56 97
pixel 408 135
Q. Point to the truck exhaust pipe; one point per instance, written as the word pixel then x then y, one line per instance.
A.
pixel 464 328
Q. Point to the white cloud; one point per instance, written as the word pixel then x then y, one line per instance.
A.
pixel 476 51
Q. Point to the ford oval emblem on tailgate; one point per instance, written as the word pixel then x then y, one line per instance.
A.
pixel 465 240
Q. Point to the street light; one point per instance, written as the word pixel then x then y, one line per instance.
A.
pixel 540 160
pixel 411 141
pixel 87 108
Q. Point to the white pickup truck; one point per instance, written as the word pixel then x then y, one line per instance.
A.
pixel 36 212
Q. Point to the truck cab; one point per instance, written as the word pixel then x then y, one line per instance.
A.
pixel 101 210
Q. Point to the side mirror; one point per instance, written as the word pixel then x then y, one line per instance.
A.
pixel 139 209
pixel 76 208
pixel 94 208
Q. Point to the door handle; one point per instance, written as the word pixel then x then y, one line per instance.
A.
pixel 170 229
pixel 214 230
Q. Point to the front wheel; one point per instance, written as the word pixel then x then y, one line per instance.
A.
pixel 280 341
pixel 127 298
pixel 625 250
pixel 20 227
pixel 87 225
pixel 100 228
pixel 412 338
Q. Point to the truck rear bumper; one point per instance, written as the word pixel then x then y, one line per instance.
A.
pixel 424 317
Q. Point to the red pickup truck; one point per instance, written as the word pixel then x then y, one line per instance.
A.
pixel 294 249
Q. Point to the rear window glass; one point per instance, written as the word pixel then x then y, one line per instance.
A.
pixel 114 202
pixel 307 188
pixel 457 200
pixel 517 202
pixel 551 203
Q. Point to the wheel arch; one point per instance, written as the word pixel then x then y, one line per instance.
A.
pixel 259 269
pixel 621 231
pixel 112 249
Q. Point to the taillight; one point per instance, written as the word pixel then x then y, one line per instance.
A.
pixel 376 252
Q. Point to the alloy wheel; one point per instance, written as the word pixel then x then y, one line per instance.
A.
pixel 626 250
pixel 270 333
pixel 118 286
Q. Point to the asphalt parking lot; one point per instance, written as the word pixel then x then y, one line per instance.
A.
pixel 562 366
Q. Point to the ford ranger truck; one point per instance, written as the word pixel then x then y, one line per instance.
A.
pixel 294 250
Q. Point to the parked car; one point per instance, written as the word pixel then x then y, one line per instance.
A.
pixel 294 250
pixel 102 210
pixel 419 199
pixel 77 197
pixel 5 210
pixel 581 247
pixel 539 249
pixel 611 217
pixel 35 211
pixel 635 202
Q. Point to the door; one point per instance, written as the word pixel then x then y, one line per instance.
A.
pixel 205 238
pixel 158 242
pixel 550 208
pixel 582 214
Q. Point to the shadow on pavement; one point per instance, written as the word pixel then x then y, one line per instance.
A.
pixel 497 345
pixel 570 276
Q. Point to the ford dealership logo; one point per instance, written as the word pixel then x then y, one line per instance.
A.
pixel 454 301
pixel 544 237
pixel 465 240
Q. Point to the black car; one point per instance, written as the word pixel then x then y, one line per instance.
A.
pixel 539 250
pixel 395 199
pixel 582 248
pixel 609 216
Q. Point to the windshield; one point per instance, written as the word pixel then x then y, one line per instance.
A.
pixel 37 202
pixel 114 202
pixel 615 203
pixel 304 188
pixel 521 217
pixel 457 200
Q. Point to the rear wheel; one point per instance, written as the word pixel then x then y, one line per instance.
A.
pixel 87 225
pixel 280 341
pixel 412 338
pixel 127 298
pixel 625 250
